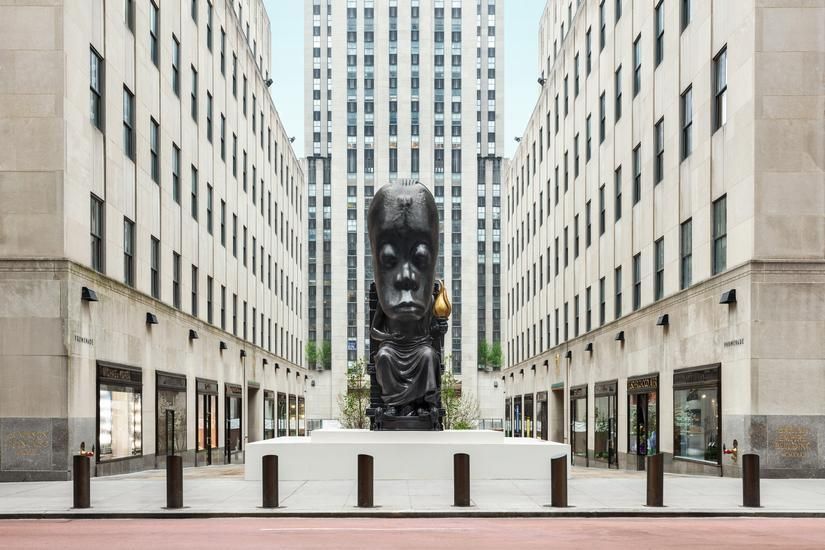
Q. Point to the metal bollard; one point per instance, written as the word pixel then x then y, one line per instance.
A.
pixel 461 479
pixel 750 480
pixel 365 471
pixel 558 482
pixel 270 481
pixel 80 481
pixel 174 481
pixel 655 466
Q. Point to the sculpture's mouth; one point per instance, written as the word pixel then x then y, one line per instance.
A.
pixel 409 307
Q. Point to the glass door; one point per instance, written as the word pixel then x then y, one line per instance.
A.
pixel 233 426
pixel 508 424
pixel 643 426
pixel 578 430
pixel 605 430
pixel 207 406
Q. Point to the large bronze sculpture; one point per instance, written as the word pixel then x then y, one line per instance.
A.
pixel 408 310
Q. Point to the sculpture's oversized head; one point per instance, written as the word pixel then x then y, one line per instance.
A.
pixel 403 229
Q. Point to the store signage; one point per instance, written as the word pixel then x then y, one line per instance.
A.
pixel 28 443
pixel 606 388
pixel 84 340
pixel 734 342
pixel 541 397
pixel 643 384
pixel 697 377
pixel 171 381
pixel 207 386
pixel 233 391
pixel 578 392
pixel 269 394
pixel 115 374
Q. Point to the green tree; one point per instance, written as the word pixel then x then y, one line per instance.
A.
pixel 311 352
pixel 325 354
pixel 483 354
pixel 461 409
pixel 353 402
pixel 494 358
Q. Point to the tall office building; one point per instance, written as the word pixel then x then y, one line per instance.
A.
pixel 403 89
pixel 150 237
pixel 666 237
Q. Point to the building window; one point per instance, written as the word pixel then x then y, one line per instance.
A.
pixel 637 281
pixel 602 26
pixel 194 94
pixel 119 428
pixel 223 137
pixel 618 10
pixel 176 173
pixel 602 117
pixel 97 229
pixel 617 182
pixel 637 173
pixel 154 32
pixel 194 201
pixel 209 291
pixel 96 88
pixel 687 13
pixel 154 149
pixel 176 65
pixel 686 254
pixel 128 252
pixel 720 235
pixel 209 116
pixel 209 25
pixel 588 153
pixel 223 307
pixel 617 283
pixel 637 65
pixel 128 123
pixel 587 225
pixel 660 32
pixel 720 88
pixel 687 122
pixel 209 199
pixel 194 291
pixel 588 315
pixel 618 86
pixel 602 210
pixel 195 11
pixel 176 279
pixel 588 42
pixel 129 14
pixel 602 301
pixel 223 223
pixel 576 236
pixel 659 161
pixel 659 285
pixel 235 235
pixel 697 431
pixel 154 273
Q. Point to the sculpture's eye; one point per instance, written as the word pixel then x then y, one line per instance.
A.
pixel 421 256
pixel 387 256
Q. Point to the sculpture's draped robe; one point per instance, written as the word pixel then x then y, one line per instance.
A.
pixel 406 366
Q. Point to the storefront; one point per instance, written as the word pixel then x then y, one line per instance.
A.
pixel 293 415
pixel 508 422
pixel 170 417
pixel 541 416
pixel 605 429
pixel 206 411
pixel 578 425
pixel 642 418
pixel 301 417
pixel 269 414
pixel 232 421
pixel 529 419
pixel 119 412
pixel 282 415
pixel 517 416
pixel 697 427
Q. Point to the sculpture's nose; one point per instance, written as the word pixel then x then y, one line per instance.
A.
pixel 406 279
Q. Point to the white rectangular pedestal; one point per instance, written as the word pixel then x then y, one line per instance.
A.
pixel 332 455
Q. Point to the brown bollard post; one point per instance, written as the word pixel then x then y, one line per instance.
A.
pixel 270 481
pixel 750 480
pixel 365 471
pixel 654 464
pixel 558 482
pixel 461 479
pixel 80 481
pixel 174 481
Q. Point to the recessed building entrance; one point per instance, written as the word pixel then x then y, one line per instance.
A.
pixel 642 418
pixel 605 427
pixel 578 425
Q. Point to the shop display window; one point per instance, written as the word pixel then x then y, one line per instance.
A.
pixel 120 422
pixel 696 415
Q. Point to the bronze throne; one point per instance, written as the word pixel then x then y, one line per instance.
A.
pixel 383 417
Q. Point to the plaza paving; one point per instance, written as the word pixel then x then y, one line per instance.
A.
pixel 222 491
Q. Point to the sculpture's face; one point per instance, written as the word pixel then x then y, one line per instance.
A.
pixel 403 228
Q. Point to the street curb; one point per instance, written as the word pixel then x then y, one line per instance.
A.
pixel 186 514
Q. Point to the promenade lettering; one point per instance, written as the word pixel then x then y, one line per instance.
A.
pixel 28 443
pixel 793 441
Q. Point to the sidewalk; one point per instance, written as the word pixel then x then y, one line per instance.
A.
pixel 222 491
